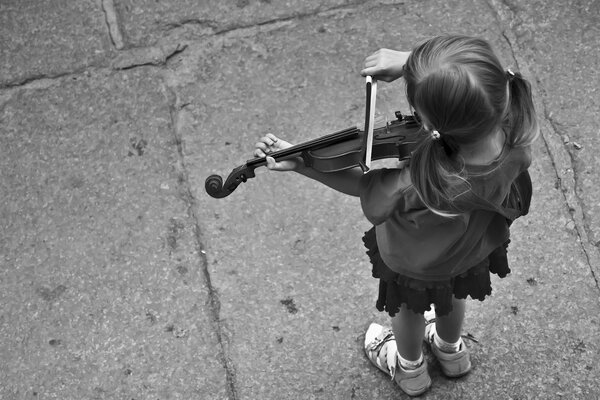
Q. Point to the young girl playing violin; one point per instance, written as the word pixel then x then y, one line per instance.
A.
pixel 439 226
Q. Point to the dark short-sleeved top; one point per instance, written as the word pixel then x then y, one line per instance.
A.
pixel 416 242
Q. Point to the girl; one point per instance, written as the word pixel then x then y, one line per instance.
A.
pixel 440 222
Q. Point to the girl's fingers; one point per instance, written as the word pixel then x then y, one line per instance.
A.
pixel 368 64
pixel 266 143
pixel 373 59
pixel 260 149
pixel 263 147
pixel 270 144
pixel 271 163
pixel 368 71
pixel 269 140
pixel 371 62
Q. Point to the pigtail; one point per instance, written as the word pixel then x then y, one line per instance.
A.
pixel 436 176
pixel 521 119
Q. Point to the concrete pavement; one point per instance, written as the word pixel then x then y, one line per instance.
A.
pixel 121 279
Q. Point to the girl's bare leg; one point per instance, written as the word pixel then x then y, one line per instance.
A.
pixel 449 327
pixel 409 329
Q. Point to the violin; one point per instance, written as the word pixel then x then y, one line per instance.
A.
pixel 334 152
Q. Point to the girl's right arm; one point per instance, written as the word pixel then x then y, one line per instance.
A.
pixel 346 181
pixel 385 64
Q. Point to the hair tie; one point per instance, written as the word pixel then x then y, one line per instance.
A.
pixel 510 74
pixel 435 135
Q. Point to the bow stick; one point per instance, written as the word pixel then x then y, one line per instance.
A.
pixel 371 89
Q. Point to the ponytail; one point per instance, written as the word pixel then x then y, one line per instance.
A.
pixel 521 120
pixel 437 178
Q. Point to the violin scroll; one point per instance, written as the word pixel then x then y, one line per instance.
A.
pixel 215 187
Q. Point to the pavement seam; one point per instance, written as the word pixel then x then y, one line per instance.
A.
pixel 158 54
pixel 36 81
pixel 238 30
pixel 147 56
pixel 276 22
pixel 577 211
pixel 112 23
pixel 561 158
pixel 186 194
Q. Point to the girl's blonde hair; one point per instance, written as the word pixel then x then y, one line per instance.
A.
pixel 457 85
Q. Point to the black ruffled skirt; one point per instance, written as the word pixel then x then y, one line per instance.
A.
pixel 418 295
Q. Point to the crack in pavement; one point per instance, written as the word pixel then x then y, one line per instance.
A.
pixel 581 223
pixel 561 159
pixel 186 194
pixel 226 29
pixel 112 23
pixel 160 53
pixel 44 80
pixel 147 56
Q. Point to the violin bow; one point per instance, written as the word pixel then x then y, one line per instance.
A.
pixel 371 88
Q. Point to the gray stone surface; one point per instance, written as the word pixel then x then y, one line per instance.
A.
pixel 146 22
pixel 121 278
pixel 50 38
pixel 103 295
pixel 559 46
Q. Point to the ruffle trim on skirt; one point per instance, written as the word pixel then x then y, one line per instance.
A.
pixel 396 289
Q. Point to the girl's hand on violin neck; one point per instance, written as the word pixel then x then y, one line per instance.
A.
pixel 269 144
pixel 385 64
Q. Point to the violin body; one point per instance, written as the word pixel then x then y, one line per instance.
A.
pixel 331 153
pixel 397 139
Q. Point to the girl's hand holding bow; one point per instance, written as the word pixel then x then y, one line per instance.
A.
pixel 385 64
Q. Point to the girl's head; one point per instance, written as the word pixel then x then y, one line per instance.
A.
pixel 458 88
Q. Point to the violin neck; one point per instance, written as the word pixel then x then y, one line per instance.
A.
pixel 324 141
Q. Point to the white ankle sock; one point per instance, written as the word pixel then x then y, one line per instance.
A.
pixel 408 364
pixel 445 346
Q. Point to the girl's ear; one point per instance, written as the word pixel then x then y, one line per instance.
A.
pixel 419 117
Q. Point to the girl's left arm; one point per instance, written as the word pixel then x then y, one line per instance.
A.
pixel 385 191
pixel 346 181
